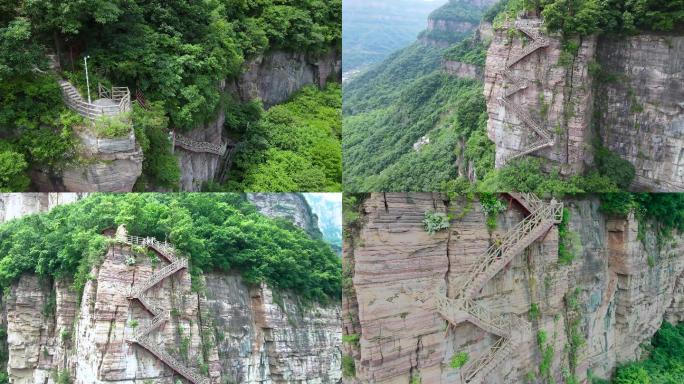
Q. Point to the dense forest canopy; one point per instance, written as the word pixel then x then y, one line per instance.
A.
pixel 175 52
pixel 215 231
pixel 294 146
pixel 390 107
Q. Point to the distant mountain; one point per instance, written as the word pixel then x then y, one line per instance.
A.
pixel 373 29
pixel 328 208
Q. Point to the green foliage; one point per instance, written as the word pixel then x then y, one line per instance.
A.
pixel 36 125
pixel 535 313
pixel 216 231
pixel 547 360
pixel 569 244
pixel 435 222
pixel 19 53
pixel 526 175
pixel 160 167
pixel 12 169
pixel 458 10
pixel 63 377
pixel 633 374
pixel 610 165
pixel 295 147
pixel 492 206
pixel 351 339
pixel 459 360
pixel 175 51
pixel 585 17
pixel 112 126
pixel 666 210
pixel 348 367
pixel 541 337
pixel 415 378
pixel 469 51
pixel 133 323
pixel 390 107
pixel 665 362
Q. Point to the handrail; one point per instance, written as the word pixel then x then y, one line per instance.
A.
pixel 512 329
pixel 74 101
pixel 529 27
pixel 141 336
pixel 507 247
pixel 199 146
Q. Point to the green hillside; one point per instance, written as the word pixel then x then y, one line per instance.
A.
pixel 391 107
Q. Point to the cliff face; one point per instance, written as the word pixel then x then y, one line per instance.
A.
pixel 16 205
pixel 614 295
pixel 443 27
pixel 272 78
pixel 233 333
pixel 635 103
pixel 557 95
pixel 290 206
pixel 641 109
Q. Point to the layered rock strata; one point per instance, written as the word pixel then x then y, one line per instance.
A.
pixel 641 107
pixel 614 295
pixel 233 333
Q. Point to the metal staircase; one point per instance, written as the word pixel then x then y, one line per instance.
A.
pixel 511 329
pixel 512 85
pixel 137 292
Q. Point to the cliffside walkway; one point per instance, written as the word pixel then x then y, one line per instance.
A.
pixel 111 102
pixel 512 85
pixel 137 292
pixel 511 329
pixel 181 141
pixel 198 146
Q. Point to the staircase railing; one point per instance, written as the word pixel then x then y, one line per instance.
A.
pixel 513 242
pixel 141 336
pixel 530 27
pixel 199 146
pixel 74 101
pixel 512 329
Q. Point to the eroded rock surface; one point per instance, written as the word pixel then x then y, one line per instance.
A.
pixel 615 293
pixel 233 333
pixel 641 107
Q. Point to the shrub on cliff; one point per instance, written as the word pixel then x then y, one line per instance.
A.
pixel 216 231
pixel 12 169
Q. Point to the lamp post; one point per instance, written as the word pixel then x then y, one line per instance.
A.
pixel 85 61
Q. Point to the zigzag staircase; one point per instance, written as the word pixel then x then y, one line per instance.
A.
pixel 513 85
pixel 137 292
pixel 511 329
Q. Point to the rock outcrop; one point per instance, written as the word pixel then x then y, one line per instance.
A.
pixel 613 296
pixel 198 168
pixel 231 333
pixel 104 165
pixel 275 76
pixel 290 206
pixel 463 70
pixel 640 106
